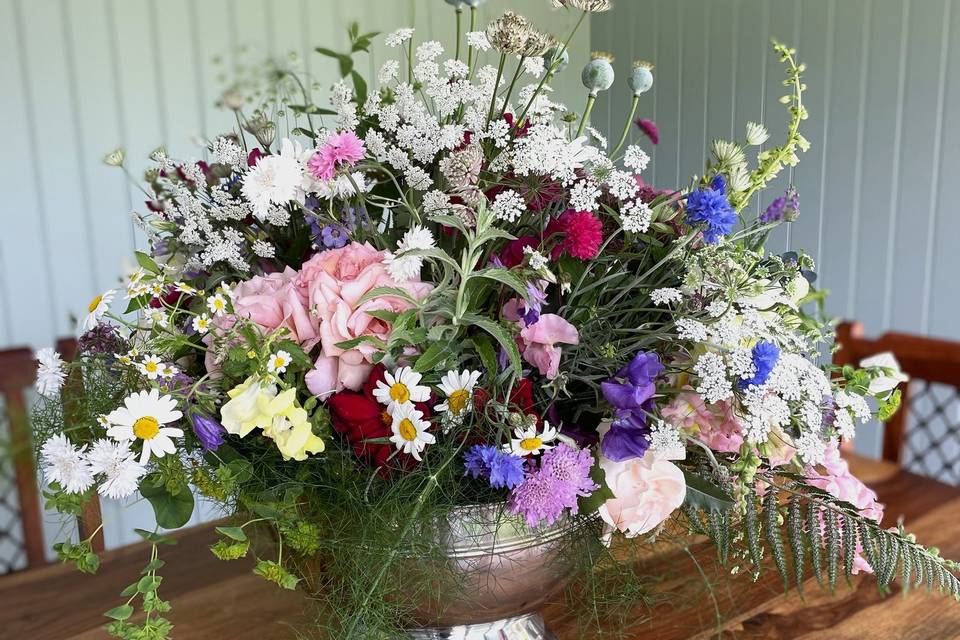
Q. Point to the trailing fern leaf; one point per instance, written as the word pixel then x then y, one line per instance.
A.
pixel 753 530
pixel 795 536
pixel 833 546
pixel 849 545
pixel 816 541
pixel 772 527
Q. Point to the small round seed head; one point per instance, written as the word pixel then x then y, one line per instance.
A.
pixel 598 75
pixel 641 77
pixel 509 33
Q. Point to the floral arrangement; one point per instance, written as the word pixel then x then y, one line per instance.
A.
pixel 446 289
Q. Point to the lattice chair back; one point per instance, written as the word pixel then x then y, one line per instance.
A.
pixel 924 435
pixel 21 514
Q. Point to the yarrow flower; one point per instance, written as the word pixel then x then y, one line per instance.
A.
pixel 709 206
pixel 502 469
pixel 51 372
pixel 582 234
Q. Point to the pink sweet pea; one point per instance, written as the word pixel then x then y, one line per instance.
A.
pixel 334 282
pixel 539 342
pixel 339 148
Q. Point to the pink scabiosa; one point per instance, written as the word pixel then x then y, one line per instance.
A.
pixel 582 234
pixel 339 148
pixel 563 477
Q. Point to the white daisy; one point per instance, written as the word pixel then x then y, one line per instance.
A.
pixel 151 367
pixel 103 421
pixel 96 310
pixel 157 318
pixel 183 287
pixel 65 464
pixel 458 387
pixel 278 362
pixel 217 304
pixel 142 418
pixel 167 371
pixel 119 467
pixel 226 290
pixel 410 430
pixel 527 441
pixel 201 323
pixel 51 372
pixel 401 387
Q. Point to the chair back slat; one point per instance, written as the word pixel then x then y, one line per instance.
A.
pixel 925 434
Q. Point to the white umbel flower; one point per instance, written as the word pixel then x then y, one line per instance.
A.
pixel 399 36
pixel 51 372
pixel 529 441
pixel 665 295
pixel 635 158
pixel 410 430
pixel 142 418
pixel 458 387
pixel 66 465
pixel 400 388
pixel 119 466
pixel 97 308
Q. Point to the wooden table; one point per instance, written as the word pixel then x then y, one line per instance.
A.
pixel 214 599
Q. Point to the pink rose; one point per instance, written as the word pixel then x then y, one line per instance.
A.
pixel 274 301
pixel 540 340
pixel 335 281
pixel 646 491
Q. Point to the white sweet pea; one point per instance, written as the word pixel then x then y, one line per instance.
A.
pixel 885 382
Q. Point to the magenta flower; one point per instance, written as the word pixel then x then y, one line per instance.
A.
pixel 340 148
pixel 649 129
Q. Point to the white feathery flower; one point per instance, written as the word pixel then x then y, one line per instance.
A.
pixel 756 134
pixel 478 40
pixel 275 180
pixel 142 417
pixel 65 464
pixel 665 295
pixel 635 158
pixel 399 36
pixel 51 372
pixel 401 387
pixel 429 50
pixel 456 68
pixel 508 205
pixel 717 308
pixel 402 268
pixel 119 466
pixel 418 237
pixel 97 308
pixel 622 185
pixel 410 430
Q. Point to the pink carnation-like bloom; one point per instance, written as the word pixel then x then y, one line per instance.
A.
pixel 646 491
pixel 715 425
pixel 339 148
pixel 335 281
pixel 539 342
pixel 582 234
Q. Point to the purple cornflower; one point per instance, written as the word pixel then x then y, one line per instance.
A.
pixel 333 236
pixel 711 207
pixel 765 356
pixel 209 431
pixel 630 392
pixel 502 469
pixel 783 208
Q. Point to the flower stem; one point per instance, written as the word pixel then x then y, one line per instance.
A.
pixel 458 11
pixel 493 98
pixel 473 24
pixel 586 114
pixel 626 125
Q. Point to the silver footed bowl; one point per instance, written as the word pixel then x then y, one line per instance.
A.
pixel 494 567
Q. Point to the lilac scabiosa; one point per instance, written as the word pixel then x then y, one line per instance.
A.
pixel 571 466
pixel 630 392
pixel 783 208
pixel 503 470
pixel 563 477
pixel 709 206
pixel 208 431
pixel 765 355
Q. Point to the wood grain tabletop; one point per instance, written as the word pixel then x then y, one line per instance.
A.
pixel 213 599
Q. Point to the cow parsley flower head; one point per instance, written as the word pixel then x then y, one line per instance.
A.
pixel 635 158
pixel 508 205
pixel 636 216
pixel 665 295
pixel 478 40
pixel 399 36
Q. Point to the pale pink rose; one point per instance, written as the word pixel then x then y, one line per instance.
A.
pixel 540 340
pixel 274 301
pixel 646 491
pixel 335 281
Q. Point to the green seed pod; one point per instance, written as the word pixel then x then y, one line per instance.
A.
pixel 598 75
pixel 550 57
pixel 641 77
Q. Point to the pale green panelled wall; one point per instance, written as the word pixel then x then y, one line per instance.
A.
pixel 878 188
pixel 80 77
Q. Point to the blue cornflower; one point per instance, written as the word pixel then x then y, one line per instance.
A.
pixel 711 207
pixel 502 469
pixel 765 356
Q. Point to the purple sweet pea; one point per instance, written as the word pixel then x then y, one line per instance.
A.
pixel 630 393
pixel 623 442
pixel 209 431
pixel 537 297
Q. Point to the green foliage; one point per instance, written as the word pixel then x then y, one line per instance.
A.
pixel 154 626
pixel 171 506
pixel 274 572
pixel 81 554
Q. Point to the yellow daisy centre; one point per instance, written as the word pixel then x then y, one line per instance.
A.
pixel 150 366
pixel 407 431
pixel 531 444
pixel 458 401
pixel 146 427
pixel 399 393
pixel 218 304
pixel 279 362
pixel 94 304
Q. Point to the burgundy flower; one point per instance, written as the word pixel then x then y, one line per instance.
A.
pixel 649 129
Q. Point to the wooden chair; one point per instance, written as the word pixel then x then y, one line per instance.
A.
pixel 25 530
pixel 924 434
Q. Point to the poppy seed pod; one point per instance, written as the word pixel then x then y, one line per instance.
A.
pixel 598 75
pixel 456 4
pixel 641 77
pixel 550 57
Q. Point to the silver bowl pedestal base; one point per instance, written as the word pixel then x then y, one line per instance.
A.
pixel 525 627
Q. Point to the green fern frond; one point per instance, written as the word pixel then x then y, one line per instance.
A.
pixel 833 546
pixel 772 526
pixel 796 538
pixel 816 541
pixel 753 530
